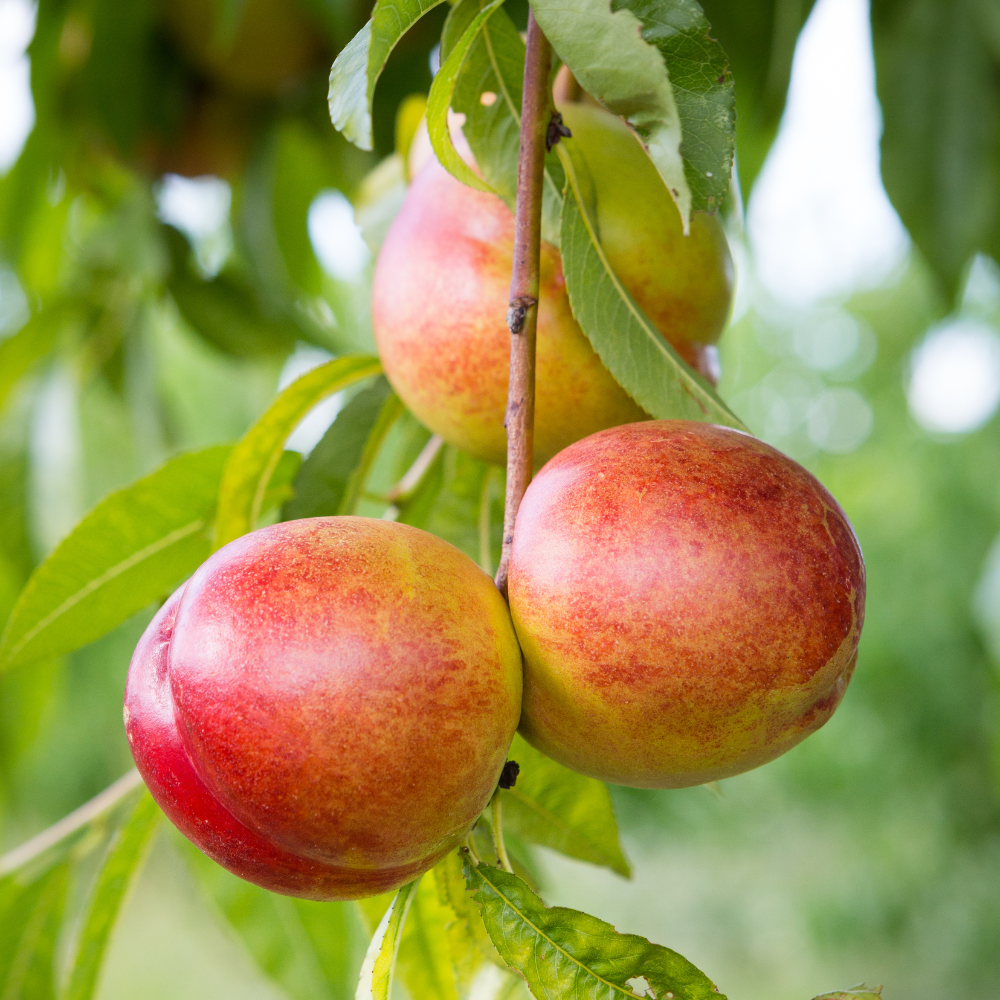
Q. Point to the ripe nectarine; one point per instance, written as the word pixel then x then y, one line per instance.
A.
pixel 688 600
pixel 327 704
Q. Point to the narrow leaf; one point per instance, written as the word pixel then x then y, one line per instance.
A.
pixel 558 808
pixel 131 549
pixel 566 953
pixel 358 67
pixel 333 476
pixel 440 98
pixel 125 856
pixel 375 982
pixel 858 993
pixel 468 940
pixel 425 959
pixel 21 351
pixel 607 54
pixel 30 918
pixel 252 462
pixel 628 344
pixel 703 90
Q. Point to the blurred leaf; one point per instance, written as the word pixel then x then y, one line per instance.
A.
pixel 425 962
pixel 759 40
pixel 630 347
pixel 252 462
pixel 568 812
pixel 375 982
pixel 468 940
pixel 125 856
pixel 333 477
pixel 861 992
pixel 703 89
pixel 135 546
pixel 606 53
pixel 566 953
pixel 939 87
pixel 305 947
pixel 24 349
pixel 30 919
pixel 440 99
pixel 358 67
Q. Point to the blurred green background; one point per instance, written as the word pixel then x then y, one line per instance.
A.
pixel 165 312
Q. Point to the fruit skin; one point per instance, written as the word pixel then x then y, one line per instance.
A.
pixel 688 600
pixel 326 706
pixel 274 45
pixel 442 282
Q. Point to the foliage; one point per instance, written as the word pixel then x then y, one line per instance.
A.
pixel 164 365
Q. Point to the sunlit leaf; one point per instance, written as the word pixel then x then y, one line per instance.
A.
pixel 375 982
pixel 440 98
pixel 607 54
pixel 19 353
pixel 425 960
pixel 132 548
pixel 30 918
pixel 124 858
pixel 554 806
pixel 333 476
pixel 628 344
pixel 253 460
pixel 564 953
pixel 358 67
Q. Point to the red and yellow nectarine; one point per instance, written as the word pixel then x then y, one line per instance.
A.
pixel 326 706
pixel 688 600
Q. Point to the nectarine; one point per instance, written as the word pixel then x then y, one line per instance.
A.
pixel 688 600
pixel 327 704
pixel 442 281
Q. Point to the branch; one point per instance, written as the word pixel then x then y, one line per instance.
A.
pixel 522 314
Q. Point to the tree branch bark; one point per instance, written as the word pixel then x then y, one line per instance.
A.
pixel 522 314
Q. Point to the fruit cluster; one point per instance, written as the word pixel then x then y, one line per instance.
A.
pixel 326 706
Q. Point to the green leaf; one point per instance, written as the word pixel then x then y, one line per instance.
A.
pixel 440 98
pixel 566 953
pixel 493 63
pixel 333 477
pixel 939 87
pixel 305 947
pixel 759 40
pixel 124 858
pixel 252 462
pixel 558 808
pixel 358 67
pixel 19 353
pixel 607 54
pixel 375 982
pixel 30 919
pixel 703 89
pixel 425 959
pixel 858 993
pixel 135 546
pixel 628 344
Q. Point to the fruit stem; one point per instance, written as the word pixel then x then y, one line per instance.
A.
pixel 522 312
pixel 497 824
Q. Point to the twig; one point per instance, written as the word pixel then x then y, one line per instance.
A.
pixel 68 825
pixel 522 314
pixel 497 826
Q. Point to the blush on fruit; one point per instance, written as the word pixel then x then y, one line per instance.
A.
pixel 326 706
pixel 442 283
pixel 688 600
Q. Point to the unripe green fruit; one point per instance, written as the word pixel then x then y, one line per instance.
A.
pixel 442 284
pixel 688 600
